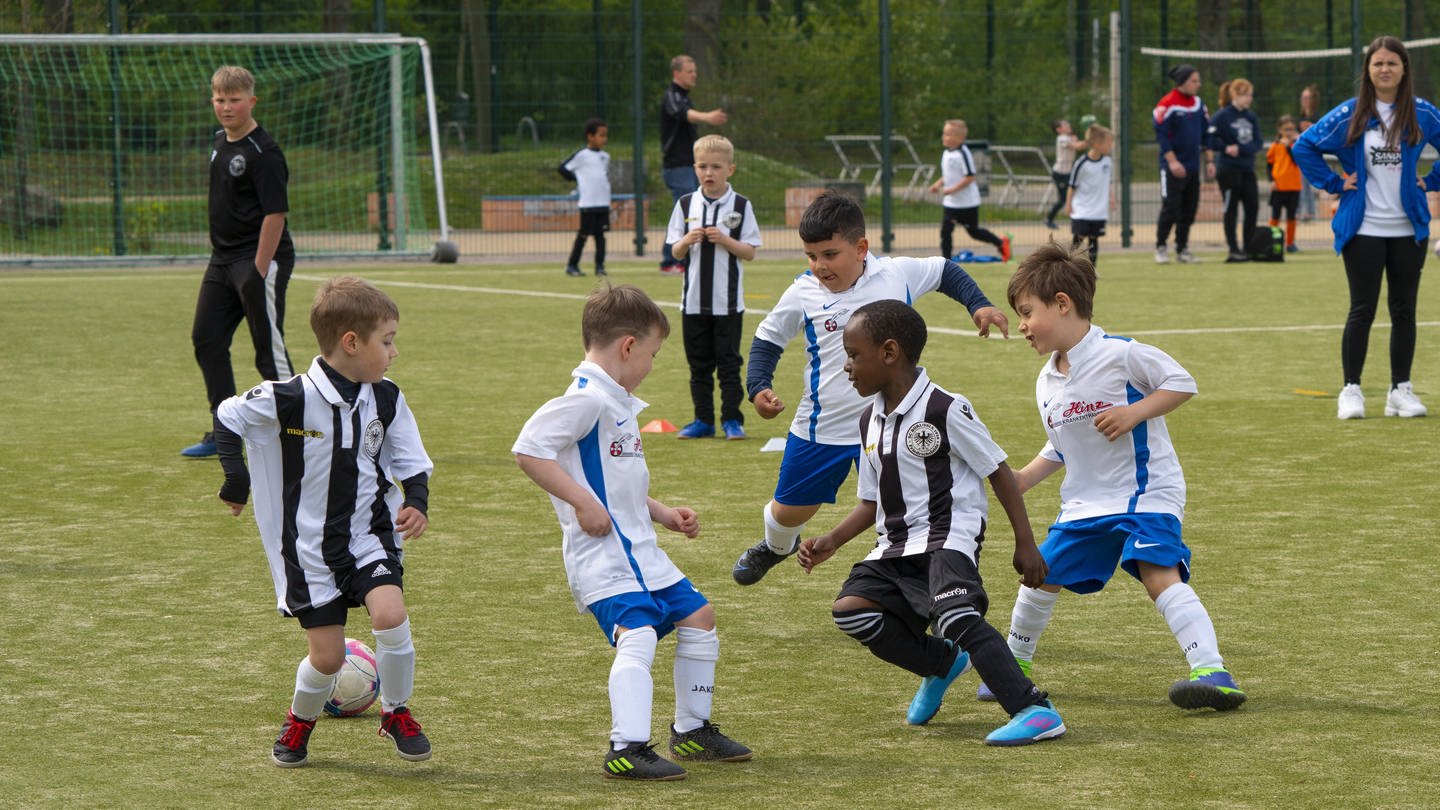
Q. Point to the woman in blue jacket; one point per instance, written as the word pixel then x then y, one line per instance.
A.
pixel 1234 138
pixel 1382 224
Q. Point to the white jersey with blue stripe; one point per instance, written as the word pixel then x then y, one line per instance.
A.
pixel 829 408
pixel 1138 472
pixel 593 433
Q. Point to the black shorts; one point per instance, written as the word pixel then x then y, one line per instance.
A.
pixel 1087 227
pixel 355 587
pixel 1286 201
pixel 594 221
pixel 919 587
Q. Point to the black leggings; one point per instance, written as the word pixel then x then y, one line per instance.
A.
pixel 1062 188
pixel 1368 259
pixel 1238 187
pixel 1179 199
pixel 969 219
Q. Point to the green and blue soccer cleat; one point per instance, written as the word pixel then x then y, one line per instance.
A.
pixel 926 702
pixel 1207 688
pixel 1029 725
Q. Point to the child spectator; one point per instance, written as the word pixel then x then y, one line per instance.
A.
pixel 1280 166
pixel 326 448
pixel 1065 146
pixel 590 169
pixel 1087 198
pixel 824 439
pixel 959 194
pixel 1234 138
pixel 584 449
pixel 926 455
pixel 712 232
pixel 251 253
pixel 1123 496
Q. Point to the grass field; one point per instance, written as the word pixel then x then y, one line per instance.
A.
pixel 141 663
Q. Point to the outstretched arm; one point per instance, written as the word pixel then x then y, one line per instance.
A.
pixel 957 284
pixel 1027 560
pixel 819 549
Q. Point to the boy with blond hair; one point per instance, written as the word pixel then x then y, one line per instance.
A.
pixel 1087 200
pixel 326 449
pixel 251 255
pixel 711 232
pixel 959 194
pixel 584 449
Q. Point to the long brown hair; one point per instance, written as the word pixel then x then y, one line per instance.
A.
pixel 1404 122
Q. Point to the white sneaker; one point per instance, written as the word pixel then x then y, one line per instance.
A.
pixel 1352 402
pixel 1401 401
pixel 1186 257
pixel 1162 256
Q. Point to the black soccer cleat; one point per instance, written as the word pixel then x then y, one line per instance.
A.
pixel 292 746
pixel 753 564
pixel 707 744
pixel 640 762
pixel 410 742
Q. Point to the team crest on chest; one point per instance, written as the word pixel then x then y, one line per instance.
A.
pixel 627 445
pixel 923 439
pixel 836 321
pixel 732 220
pixel 237 165
pixel 374 435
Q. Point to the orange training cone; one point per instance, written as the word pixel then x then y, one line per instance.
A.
pixel 658 426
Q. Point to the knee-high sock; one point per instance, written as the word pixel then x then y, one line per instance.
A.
pixel 781 539
pixel 1029 618
pixel 312 689
pixel 892 641
pixel 631 687
pixel 994 663
pixel 395 664
pixel 1289 232
pixel 1191 625
pixel 696 652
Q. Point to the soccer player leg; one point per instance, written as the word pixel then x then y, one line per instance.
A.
pixel 218 312
pixel 631 687
pixel 264 301
pixel 312 688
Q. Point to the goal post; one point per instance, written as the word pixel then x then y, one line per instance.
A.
pixel 105 143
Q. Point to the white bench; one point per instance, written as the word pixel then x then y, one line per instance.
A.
pixel 861 153
pixel 1034 169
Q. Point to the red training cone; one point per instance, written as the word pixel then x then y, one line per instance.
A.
pixel 658 426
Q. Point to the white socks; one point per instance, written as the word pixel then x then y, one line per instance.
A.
pixel 312 689
pixel 395 664
pixel 781 539
pixel 1190 624
pixel 1029 618
pixel 631 687
pixel 695 654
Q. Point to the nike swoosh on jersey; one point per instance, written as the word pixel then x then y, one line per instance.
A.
pixel 827 306
pixel 619 422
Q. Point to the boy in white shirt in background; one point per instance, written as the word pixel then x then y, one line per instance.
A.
pixel 590 169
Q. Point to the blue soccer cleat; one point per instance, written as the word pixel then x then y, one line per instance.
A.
pixel 1030 725
pixel 734 431
pixel 203 448
pixel 1207 688
pixel 696 430
pixel 926 702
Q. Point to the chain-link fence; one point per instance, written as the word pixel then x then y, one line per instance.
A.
pixel 803 86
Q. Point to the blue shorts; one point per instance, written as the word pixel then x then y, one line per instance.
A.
pixel 1082 554
pixel 811 473
pixel 657 609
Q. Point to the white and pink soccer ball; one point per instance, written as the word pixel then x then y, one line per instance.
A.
pixel 359 683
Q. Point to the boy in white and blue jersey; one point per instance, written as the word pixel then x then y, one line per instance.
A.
pixel 325 451
pixel 824 439
pixel 925 458
pixel 584 449
pixel 590 169
pixel 1088 199
pixel 959 194
pixel 1103 401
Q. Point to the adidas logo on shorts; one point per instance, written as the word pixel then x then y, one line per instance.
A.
pixel 380 571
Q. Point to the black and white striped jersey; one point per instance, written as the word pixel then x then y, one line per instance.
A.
pixel 323 474
pixel 713 275
pixel 925 465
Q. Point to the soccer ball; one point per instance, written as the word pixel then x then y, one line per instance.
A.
pixel 1436 247
pixel 358 684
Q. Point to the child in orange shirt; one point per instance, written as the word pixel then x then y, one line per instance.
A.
pixel 1286 175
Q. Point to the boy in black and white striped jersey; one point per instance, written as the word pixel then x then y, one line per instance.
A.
pixel 325 449
pixel 924 455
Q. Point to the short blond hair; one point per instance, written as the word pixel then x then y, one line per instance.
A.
pixel 715 145
pixel 958 123
pixel 348 304
pixel 623 310
pixel 1096 133
pixel 230 78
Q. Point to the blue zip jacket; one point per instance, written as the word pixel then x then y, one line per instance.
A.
pixel 1238 127
pixel 1327 136
pixel 1180 123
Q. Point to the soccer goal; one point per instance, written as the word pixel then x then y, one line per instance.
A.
pixel 105 143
